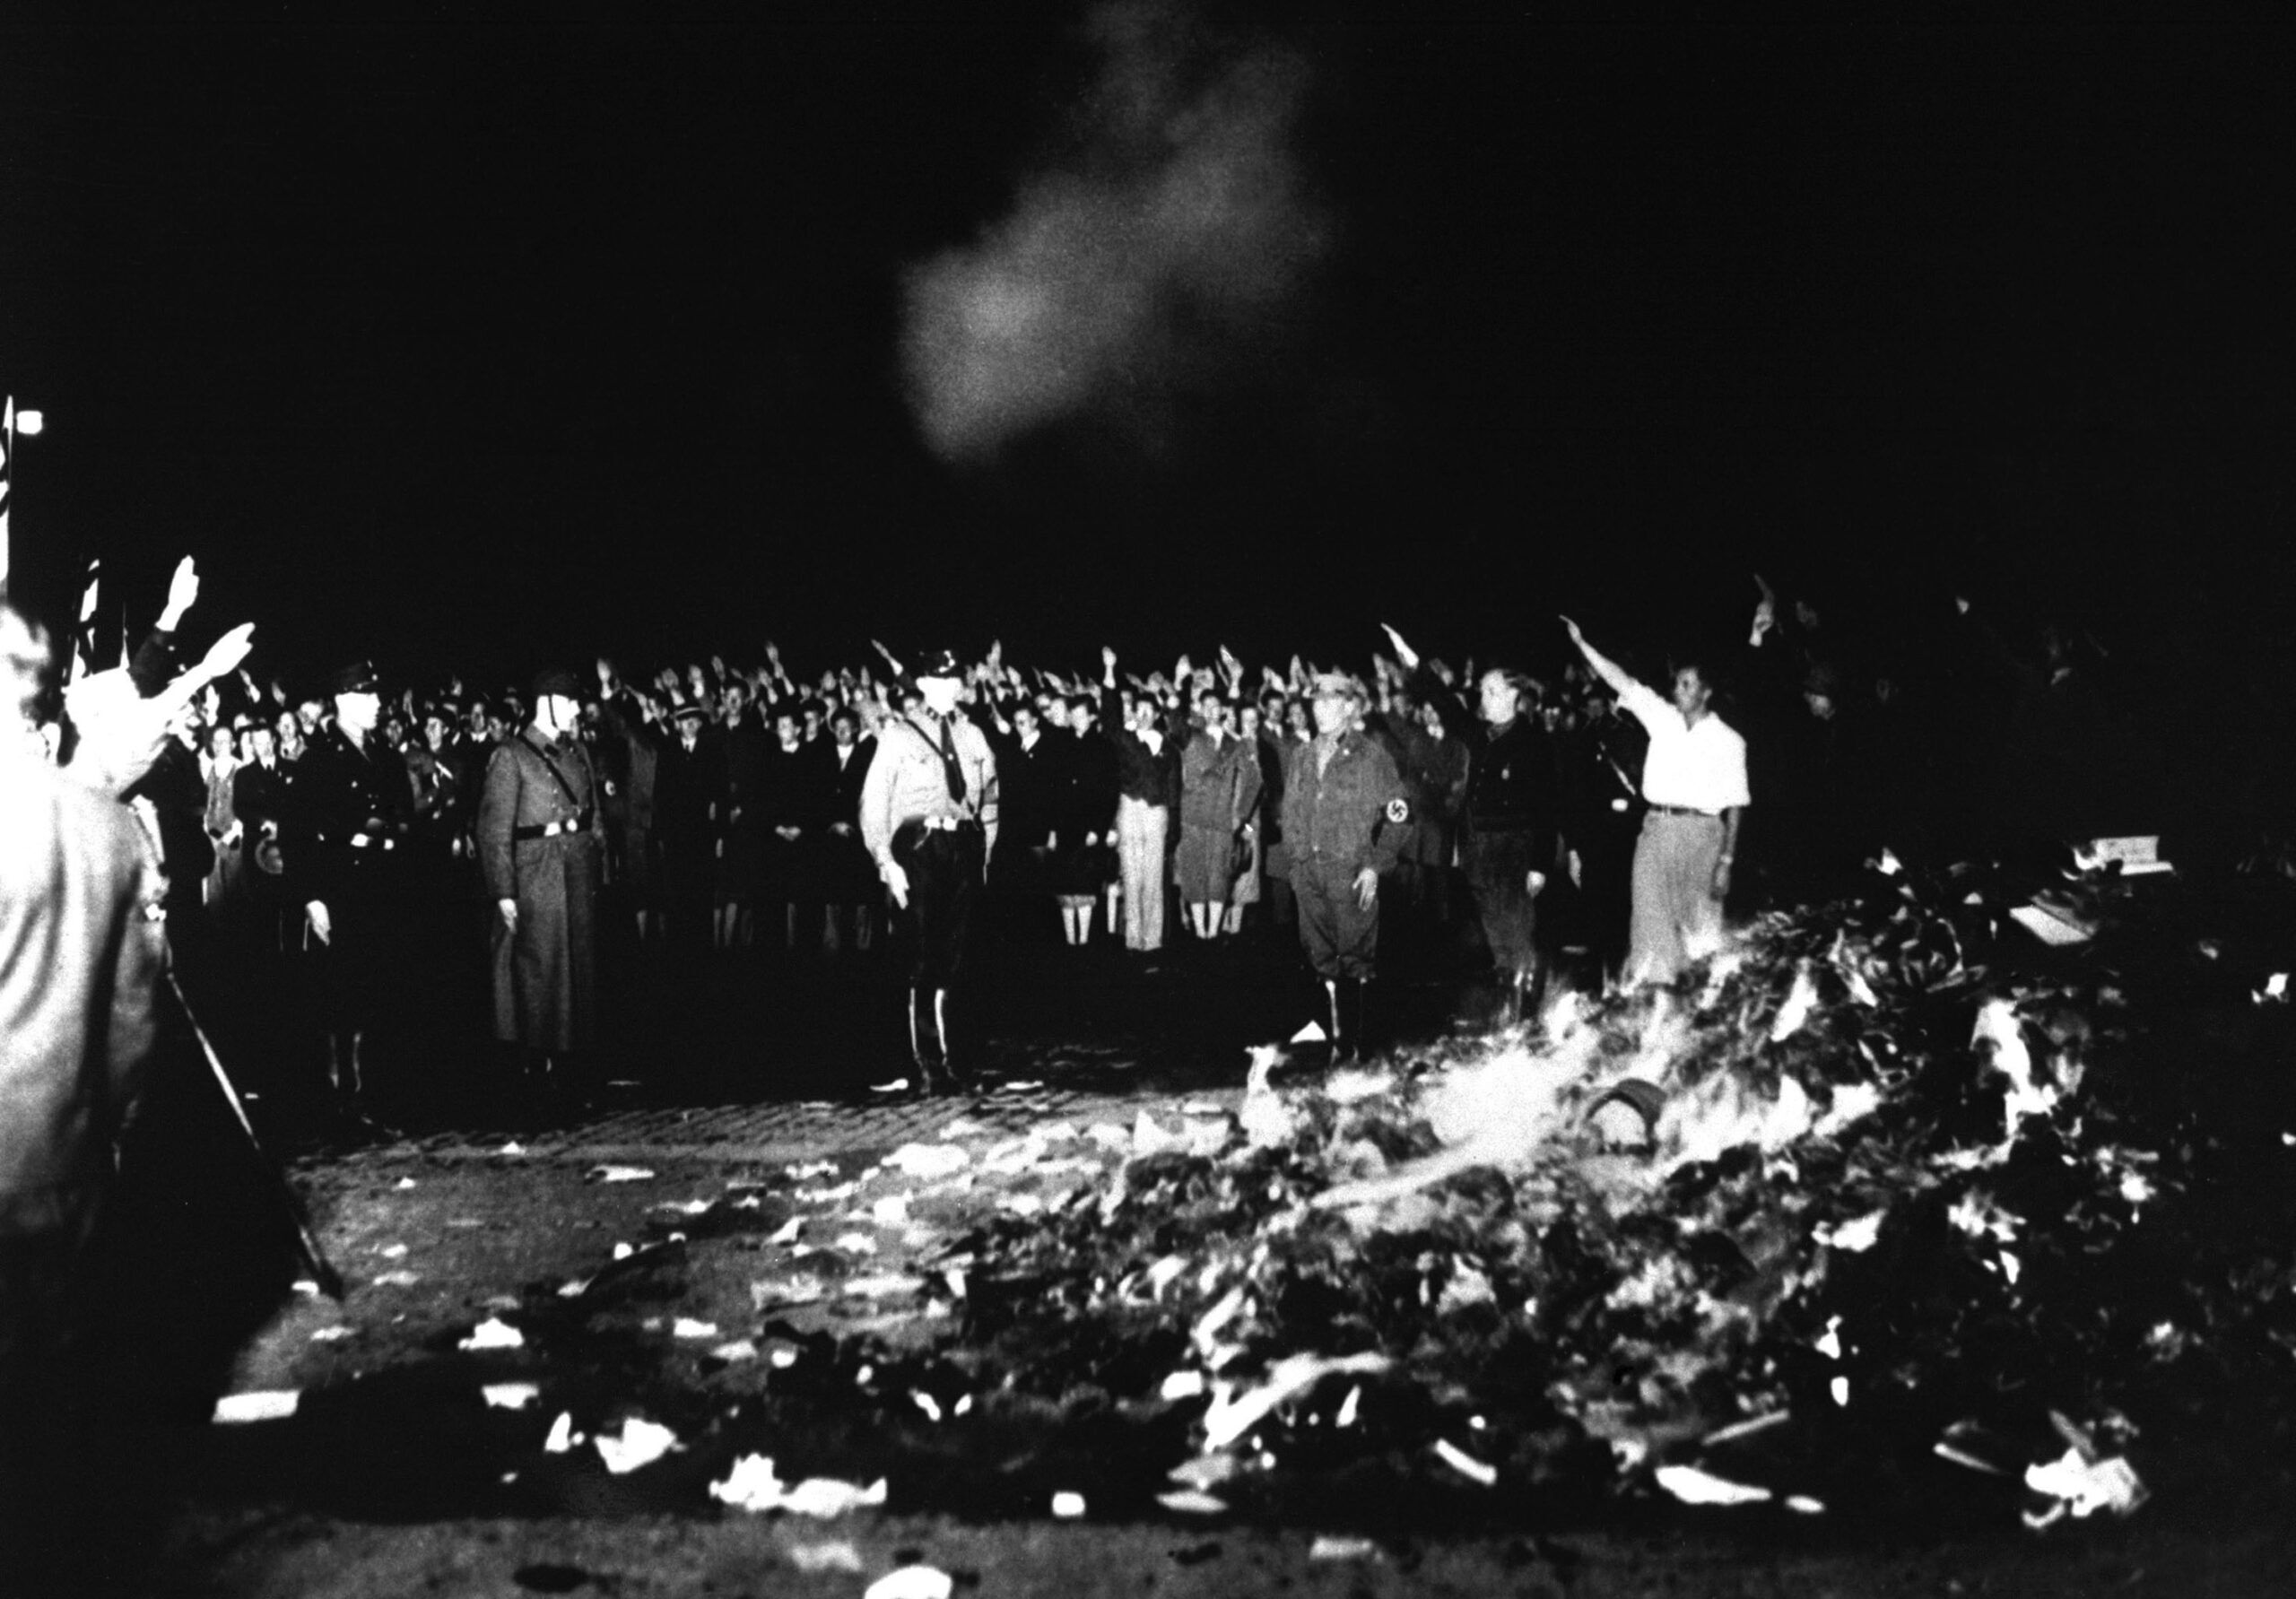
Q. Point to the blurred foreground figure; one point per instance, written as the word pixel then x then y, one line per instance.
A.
pixel 80 963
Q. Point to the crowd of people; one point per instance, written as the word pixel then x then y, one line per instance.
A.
pixel 385 833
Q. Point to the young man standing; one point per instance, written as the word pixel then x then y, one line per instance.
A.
pixel 1694 783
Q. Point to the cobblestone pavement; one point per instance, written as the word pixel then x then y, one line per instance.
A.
pixel 785 1130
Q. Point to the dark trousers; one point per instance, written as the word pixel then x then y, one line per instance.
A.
pixel 944 868
pixel 1341 938
pixel 1499 865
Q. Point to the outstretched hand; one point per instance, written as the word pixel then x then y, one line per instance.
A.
pixel 183 588
pixel 224 656
pixel 1403 652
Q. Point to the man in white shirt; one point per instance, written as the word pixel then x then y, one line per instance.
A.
pixel 1694 783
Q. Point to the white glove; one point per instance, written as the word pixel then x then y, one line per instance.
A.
pixel 316 917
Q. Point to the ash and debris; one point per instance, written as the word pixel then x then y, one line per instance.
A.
pixel 1888 1209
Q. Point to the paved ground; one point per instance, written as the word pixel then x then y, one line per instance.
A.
pixel 774 1131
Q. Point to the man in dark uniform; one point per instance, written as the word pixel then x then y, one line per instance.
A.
pixel 354 805
pixel 538 847
pixel 1346 819
pixel 1511 814
pixel 928 816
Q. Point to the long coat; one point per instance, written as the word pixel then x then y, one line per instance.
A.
pixel 79 965
pixel 546 971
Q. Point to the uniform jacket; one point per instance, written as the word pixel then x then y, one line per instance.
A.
pixel 354 809
pixel 530 782
pixel 1351 814
pixel 906 781
pixel 1513 786
pixel 80 964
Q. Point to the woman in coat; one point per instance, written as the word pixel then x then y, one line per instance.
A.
pixel 1220 784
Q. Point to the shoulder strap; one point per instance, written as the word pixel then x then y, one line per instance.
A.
pixel 556 775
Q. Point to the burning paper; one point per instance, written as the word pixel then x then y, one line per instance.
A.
pixel 2084 1487
pixel 1232 1416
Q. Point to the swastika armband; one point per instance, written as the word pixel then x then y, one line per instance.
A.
pixel 1398 812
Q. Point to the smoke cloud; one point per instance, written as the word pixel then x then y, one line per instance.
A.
pixel 1146 267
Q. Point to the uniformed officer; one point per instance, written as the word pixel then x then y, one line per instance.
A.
pixel 354 809
pixel 539 849
pixel 1511 811
pixel 1346 819
pixel 928 817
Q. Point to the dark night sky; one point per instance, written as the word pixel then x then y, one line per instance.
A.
pixel 460 342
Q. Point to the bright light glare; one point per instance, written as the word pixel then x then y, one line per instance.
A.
pixel 29 423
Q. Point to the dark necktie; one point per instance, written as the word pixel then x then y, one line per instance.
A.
pixel 949 767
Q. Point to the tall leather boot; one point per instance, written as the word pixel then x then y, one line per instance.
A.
pixel 1531 985
pixel 1355 999
pixel 918 1049
pixel 1342 1020
pixel 954 1071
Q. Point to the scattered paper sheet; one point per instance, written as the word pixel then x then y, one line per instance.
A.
pixel 912 1582
pixel 493 1333
pixel 1695 1487
pixel 640 1443
pixel 752 1485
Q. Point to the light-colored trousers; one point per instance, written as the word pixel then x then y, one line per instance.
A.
pixel 1676 918
pixel 1140 831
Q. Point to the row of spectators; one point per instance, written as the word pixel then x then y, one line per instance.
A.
pixel 731 787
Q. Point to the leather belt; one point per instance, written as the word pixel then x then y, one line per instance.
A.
pixel 1684 811
pixel 944 824
pixel 550 830
pixel 368 840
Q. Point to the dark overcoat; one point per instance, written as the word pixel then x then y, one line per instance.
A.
pixel 546 971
